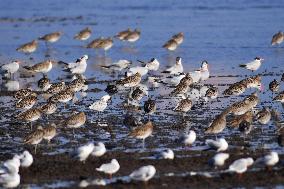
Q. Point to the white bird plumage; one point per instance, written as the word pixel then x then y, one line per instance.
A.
pixel 175 69
pixel 220 144
pixel 101 104
pixel 144 173
pixel 166 154
pixel 26 159
pixel 99 150
pixel 240 166
pixel 189 138
pixel 219 159
pixel 79 67
pixel 253 65
pixel 269 160
pixel 109 168
pixel 83 152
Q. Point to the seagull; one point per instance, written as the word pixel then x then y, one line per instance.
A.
pixel 26 159
pixel 99 150
pixel 240 166
pixel 153 64
pixel 11 166
pixel 219 159
pixel 12 67
pixel 83 152
pixel 253 65
pixel 219 144
pixel 79 67
pixel 269 160
pixel 144 173
pixel 201 74
pixel 177 68
pixel 101 104
pixel 119 65
pixel 166 154
pixel 10 180
pixel 109 168
pixel 142 70
pixel 189 138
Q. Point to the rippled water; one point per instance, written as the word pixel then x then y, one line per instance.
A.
pixel 225 33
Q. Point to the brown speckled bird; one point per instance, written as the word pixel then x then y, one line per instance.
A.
pixel 27 102
pixel 277 38
pixel 35 137
pixel 237 120
pixel 83 34
pixel 49 132
pixel 51 37
pixel 28 47
pixel 121 35
pixel 142 132
pixel 179 37
pixel 75 121
pixel 274 86
pixel 30 115
pixel 218 125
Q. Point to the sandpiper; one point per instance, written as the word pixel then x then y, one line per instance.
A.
pixel 30 115
pixel 277 38
pixel 28 47
pixel 109 168
pixel 176 69
pixel 183 85
pixel 48 108
pixel 94 44
pixel 179 37
pixel 56 87
pixel 153 64
pixel 111 89
pixel 27 102
pixel 235 89
pixel 150 107
pixel 171 45
pixel 75 121
pixel 279 97
pixel 105 44
pixel 144 173
pixel 142 132
pixel 184 105
pixel 132 36
pixel 121 35
pixel 218 125
pixel 35 137
pixel 252 82
pixel 51 37
pixel 44 83
pixel 22 93
pixel 49 132
pixel 212 92
pixel 253 65
pixel 242 107
pixel 42 67
pixel 83 34
pixel 63 96
pixel 237 120
pixel 76 84
pixel 137 94
pixel 12 67
pixel 263 116
pixel 130 81
pixel 274 86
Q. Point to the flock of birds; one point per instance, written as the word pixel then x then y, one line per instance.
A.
pixel 64 92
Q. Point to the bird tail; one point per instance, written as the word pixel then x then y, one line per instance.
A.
pixel 27 67
pixel 243 65
pixel 107 67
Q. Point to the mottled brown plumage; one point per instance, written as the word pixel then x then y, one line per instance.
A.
pixel 83 34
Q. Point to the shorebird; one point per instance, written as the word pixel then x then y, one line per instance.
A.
pixel 240 166
pixel 51 37
pixel 28 47
pixel 83 152
pixel 75 121
pixel 212 92
pixel 149 107
pixel 219 159
pixel 237 120
pixel 166 154
pixel 184 105
pixel 121 35
pixel 109 168
pixel 200 74
pixel 56 87
pixel 111 89
pixel 130 81
pixel 30 115
pixel 171 45
pixel 188 138
pixel 77 84
pixel 105 44
pixel 132 36
pixel 179 37
pixel 44 83
pixel 176 69
pixel 49 132
pixel 218 125
pixel 11 165
pixel 142 70
pixel 252 82
pixel 279 97
pixel 119 65
pixel 277 38
pixel 269 160
pixel 35 137
pixel 99 150
pixel 183 85
pixel 142 132
pixel 101 104
pixel 79 67
pixel 253 65
pixel 144 173
pixel 263 116
pixel 219 145
pixel 22 93
pixel 27 102
pixel 153 64
pixel 42 67
pixel 137 94
pixel 63 96
pixel 235 89
pixel 26 159
pixel 274 86
pixel 83 34
pixel 94 44
pixel 11 68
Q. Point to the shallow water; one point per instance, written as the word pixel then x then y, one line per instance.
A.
pixel 225 34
